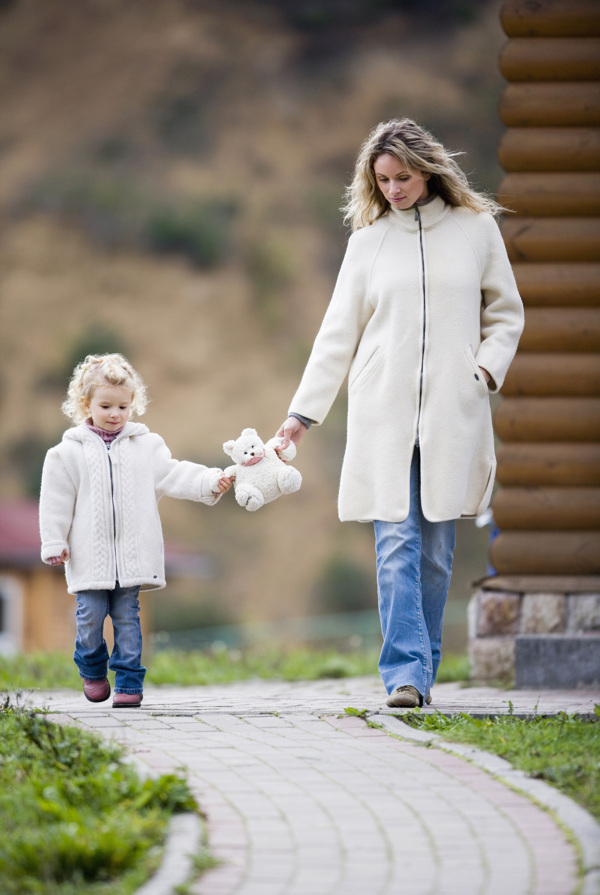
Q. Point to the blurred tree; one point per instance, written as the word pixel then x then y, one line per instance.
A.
pixel 25 459
pixel 319 15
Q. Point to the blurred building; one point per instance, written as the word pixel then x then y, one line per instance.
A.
pixel 36 612
pixel 539 617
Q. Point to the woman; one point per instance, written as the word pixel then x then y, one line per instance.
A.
pixel 425 319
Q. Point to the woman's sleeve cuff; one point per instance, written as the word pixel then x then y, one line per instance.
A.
pixel 303 419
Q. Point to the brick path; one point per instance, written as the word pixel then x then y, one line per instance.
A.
pixel 303 799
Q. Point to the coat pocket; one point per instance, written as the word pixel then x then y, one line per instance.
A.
pixel 489 487
pixel 477 374
pixel 357 381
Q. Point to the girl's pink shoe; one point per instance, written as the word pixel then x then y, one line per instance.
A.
pixel 96 691
pixel 127 700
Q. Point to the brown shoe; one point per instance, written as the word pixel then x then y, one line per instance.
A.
pixel 96 691
pixel 127 700
pixel 406 697
pixel 428 699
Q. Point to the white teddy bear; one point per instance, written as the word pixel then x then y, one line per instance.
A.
pixel 260 473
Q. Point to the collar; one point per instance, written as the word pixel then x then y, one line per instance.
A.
pixel 83 432
pixel 106 436
pixel 431 213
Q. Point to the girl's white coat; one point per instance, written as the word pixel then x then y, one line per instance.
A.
pixel 412 349
pixel 102 506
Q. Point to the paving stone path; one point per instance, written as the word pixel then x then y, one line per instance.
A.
pixel 304 799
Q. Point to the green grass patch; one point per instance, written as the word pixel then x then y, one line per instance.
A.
pixel 562 750
pixel 49 671
pixel 75 816
pixel 223 666
pixel 44 671
pixel 454 668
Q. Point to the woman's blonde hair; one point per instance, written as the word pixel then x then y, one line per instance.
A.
pixel 416 148
pixel 97 370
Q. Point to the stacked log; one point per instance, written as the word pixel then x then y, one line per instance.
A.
pixel 548 509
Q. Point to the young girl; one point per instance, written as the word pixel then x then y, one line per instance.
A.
pixel 99 516
pixel 425 320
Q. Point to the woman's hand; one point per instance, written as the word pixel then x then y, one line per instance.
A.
pixel 486 375
pixel 291 430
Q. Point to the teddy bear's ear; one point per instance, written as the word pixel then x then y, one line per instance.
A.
pixel 252 432
pixel 228 447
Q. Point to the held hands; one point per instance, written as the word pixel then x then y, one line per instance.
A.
pixel 224 484
pixel 291 430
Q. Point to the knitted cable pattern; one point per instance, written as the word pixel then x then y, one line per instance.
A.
pixel 127 535
pixel 101 500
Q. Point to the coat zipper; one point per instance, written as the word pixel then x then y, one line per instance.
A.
pixel 418 219
pixel 112 500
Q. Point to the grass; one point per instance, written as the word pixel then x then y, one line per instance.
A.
pixel 562 750
pixel 77 817
pixel 48 671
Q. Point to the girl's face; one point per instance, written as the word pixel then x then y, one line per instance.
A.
pixel 401 186
pixel 110 407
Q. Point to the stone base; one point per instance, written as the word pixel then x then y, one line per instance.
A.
pixel 501 619
pixel 557 661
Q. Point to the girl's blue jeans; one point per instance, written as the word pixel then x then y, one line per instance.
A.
pixel 414 565
pixel 91 652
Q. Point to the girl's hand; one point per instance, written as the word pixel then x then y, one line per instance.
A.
pixel 225 483
pixel 58 560
pixel 485 374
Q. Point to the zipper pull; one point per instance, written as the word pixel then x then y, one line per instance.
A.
pixel 417 214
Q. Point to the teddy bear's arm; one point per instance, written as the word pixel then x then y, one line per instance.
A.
pixel 288 454
pixel 230 471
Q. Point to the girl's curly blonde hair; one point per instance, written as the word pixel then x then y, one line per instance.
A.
pixel 416 148
pixel 97 370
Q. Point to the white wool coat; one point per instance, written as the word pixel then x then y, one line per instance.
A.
pixel 102 505
pixel 422 300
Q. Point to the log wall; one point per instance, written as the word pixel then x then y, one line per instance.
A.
pixel 548 508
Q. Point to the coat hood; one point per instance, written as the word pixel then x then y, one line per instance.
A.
pixel 84 433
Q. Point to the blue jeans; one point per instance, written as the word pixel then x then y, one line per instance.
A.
pixel 414 565
pixel 91 652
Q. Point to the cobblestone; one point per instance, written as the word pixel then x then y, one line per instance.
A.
pixel 304 799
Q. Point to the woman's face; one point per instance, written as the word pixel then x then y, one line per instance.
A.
pixel 401 186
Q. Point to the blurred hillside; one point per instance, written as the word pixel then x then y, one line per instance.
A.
pixel 170 178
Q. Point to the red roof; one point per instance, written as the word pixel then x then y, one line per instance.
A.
pixel 19 533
